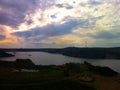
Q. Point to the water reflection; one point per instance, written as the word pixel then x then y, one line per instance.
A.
pixel 57 59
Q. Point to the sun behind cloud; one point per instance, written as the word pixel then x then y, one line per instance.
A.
pixel 59 23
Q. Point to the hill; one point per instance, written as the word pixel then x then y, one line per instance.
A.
pixel 4 54
pixel 89 53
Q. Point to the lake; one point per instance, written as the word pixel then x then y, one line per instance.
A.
pixel 42 58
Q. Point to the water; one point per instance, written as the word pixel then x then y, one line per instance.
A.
pixel 42 58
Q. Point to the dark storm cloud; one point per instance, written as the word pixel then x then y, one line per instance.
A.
pixel 10 20
pixel 2 37
pixel 49 30
pixel 56 30
pixel 52 30
pixel 13 12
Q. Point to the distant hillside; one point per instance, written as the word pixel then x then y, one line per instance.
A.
pixel 93 53
pixel 89 53
pixel 19 63
pixel 4 54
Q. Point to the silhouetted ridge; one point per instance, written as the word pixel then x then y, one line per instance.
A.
pixel 4 54
pixel 19 63
pixel 89 53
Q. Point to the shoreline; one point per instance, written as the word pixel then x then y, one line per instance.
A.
pixel 88 53
pixel 81 76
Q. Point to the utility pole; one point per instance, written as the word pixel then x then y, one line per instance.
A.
pixel 86 44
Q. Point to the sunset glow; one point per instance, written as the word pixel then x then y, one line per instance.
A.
pixel 59 23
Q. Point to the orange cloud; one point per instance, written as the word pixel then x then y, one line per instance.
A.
pixel 6 31
pixel 65 40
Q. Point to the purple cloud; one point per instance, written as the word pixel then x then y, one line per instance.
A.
pixel 94 2
pixel 13 12
pixel 50 30
pixel 2 37
pixel 104 35
pixel 64 6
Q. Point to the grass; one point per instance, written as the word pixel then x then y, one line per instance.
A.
pixel 47 85
pixel 32 75
pixel 53 79
pixel 45 79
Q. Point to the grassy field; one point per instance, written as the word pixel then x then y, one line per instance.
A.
pixel 54 79
pixel 42 80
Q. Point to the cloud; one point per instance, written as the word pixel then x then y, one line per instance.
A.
pixel 13 12
pixel 40 21
pixel 105 35
pixel 49 30
pixel 95 2
pixel 10 20
pixel 64 6
pixel 2 37
pixel 68 39
pixel 58 34
pixel 52 30
pixel 5 32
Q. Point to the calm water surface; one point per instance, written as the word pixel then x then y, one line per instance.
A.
pixel 42 58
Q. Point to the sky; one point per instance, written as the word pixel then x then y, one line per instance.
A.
pixel 59 23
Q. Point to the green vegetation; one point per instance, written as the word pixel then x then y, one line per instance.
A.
pixel 82 76
pixel 47 85
pixel 45 79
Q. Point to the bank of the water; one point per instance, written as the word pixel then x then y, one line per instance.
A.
pixel 42 58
